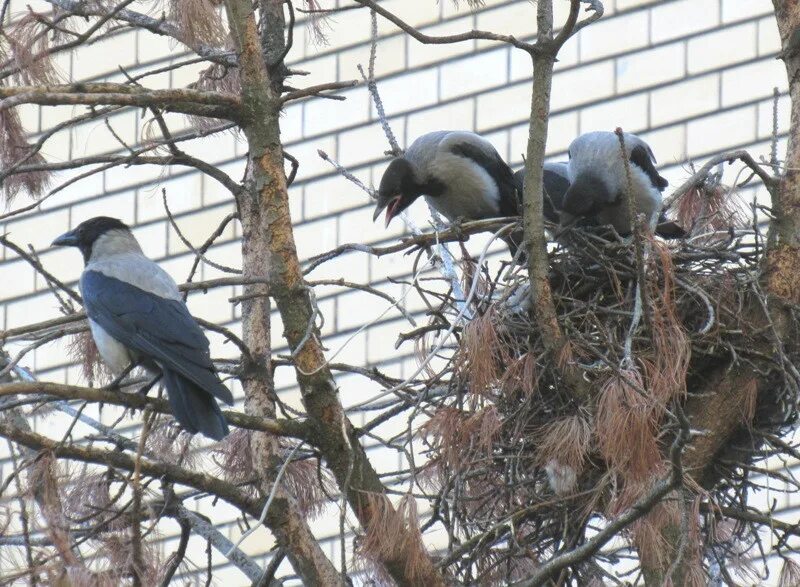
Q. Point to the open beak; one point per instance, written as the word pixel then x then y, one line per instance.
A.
pixel 391 209
pixel 68 239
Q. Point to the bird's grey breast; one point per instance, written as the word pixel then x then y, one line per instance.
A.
pixel 114 353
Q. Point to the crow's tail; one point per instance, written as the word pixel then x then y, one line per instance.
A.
pixel 194 408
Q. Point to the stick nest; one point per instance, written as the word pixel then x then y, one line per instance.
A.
pixel 522 466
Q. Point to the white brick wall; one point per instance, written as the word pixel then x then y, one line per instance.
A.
pixel 693 76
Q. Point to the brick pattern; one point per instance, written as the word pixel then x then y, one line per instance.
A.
pixel 694 77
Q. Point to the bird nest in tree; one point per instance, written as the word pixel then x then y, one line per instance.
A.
pixel 524 464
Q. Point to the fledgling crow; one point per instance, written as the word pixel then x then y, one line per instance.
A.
pixel 461 176
pixel 137 316
pixel 598 184
pixel 556 184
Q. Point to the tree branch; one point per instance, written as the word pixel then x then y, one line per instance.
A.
pixel 200 481
pixel 158 26
pixel 700 176
pixel 290 428
pixel 202 103
pixel 317 90
pixel 442 40
pixel 533 201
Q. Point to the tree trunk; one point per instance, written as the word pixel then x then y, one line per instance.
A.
pixel 269 249
pixel 284 517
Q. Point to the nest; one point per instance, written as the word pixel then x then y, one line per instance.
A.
pixel 526 467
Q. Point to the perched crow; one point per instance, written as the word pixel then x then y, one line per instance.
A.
pixel 137 316
pixel 556 184
pixel 598 184
pixel 461 176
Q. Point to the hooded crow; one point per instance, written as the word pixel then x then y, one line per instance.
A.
pixel 137 316
pixel 556 184
pixel 461 176
pixel 598 183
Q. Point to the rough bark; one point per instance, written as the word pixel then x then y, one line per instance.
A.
pixel 284 518
pixel 269 250
pixel 538 264
pixel 786 203
pixel 779 278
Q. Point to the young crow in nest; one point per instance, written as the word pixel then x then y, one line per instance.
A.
pixel 461 176
pixel 137 316
pixel 556 184
pixel 598 184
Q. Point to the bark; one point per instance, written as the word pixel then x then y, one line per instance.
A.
pixel 538 262
pixel 786 203
pixel 284 518
pixel 269 250
pixel 779 280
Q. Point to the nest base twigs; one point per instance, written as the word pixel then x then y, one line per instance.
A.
pixel 520 469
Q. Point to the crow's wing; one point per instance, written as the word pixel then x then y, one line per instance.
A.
pixel 484 155
pixel 642 156
pixel 156 327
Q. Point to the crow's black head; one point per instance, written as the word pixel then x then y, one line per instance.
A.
pixel 586 195
pixel 398 190
pixel 87 232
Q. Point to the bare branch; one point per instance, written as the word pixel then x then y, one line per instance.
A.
pixel 199 481
pixel 187 101
pixel 318 91
pixel 154 25
pixel 701 175
pixel 457 38
pixel 291 428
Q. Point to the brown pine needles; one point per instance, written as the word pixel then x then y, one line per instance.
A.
pixel 510 441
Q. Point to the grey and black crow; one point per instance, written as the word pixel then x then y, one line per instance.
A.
pixel 137 316
pixel 461 176
pixel 598 182
pixel 556 184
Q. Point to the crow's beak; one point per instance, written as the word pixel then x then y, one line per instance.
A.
pixel 391 209
pixel 378 209
pixel 68 239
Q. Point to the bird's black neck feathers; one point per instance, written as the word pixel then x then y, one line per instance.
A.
pixel 89 231
pixel 431 187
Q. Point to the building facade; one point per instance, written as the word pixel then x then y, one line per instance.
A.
pixel 692 77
